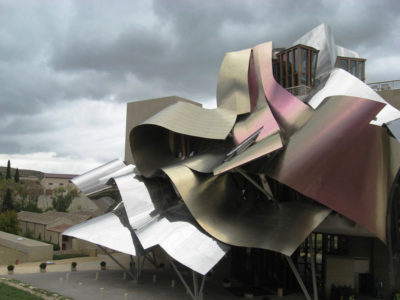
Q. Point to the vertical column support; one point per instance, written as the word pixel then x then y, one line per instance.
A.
pixel 197 293
pixel 117 262
pixel 297 275
pixel 313 273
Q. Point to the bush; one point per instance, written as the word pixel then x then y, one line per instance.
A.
pixel 10 268
pixel 103 264
pixel 73 264
pixel 43 266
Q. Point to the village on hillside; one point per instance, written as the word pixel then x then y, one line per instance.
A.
pixel 40 206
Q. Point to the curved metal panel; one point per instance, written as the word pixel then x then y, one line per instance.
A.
pixel 262 117
pixel 233 87
pixel 89 182
pixel 341 161
pixel 105 230
pixel 257 150
pixel 190 119
pixel 343 83
pixel 321 38
pixel 290 113
pixel 155 221
pixel 216 204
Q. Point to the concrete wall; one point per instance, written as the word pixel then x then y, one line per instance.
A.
pixel 13 247
pixel 37 230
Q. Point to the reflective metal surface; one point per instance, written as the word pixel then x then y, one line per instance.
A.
pixel 343 83
pixel 157 218
pixel 345 162
pixel 321 38
pixel 263 170
pixel 289 111
pixel 106 231
pixel 232 87
pixel 90 183
pixel 216 203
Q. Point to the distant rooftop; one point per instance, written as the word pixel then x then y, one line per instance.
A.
pixel 51 216
pixel 61 176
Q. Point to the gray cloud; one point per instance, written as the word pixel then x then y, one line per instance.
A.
pixel 59 54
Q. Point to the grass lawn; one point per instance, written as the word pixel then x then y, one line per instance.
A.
pixel 12 293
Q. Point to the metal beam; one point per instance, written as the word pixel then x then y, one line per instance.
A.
pixel 117 262
pixel 297 275
pixel 244 174
pixel 313 273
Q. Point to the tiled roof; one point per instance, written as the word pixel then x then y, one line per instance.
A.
pixel 60 228
pixel 62 176
pixel 51 216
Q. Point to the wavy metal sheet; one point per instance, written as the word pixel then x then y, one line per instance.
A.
pixel 216 203
pixel 257 150
pixel 105 230
pixel 321 38
pixel 90 183
pixel 189 119
pixel 233 87
pixel 156 222
pixel 341 161
pixel 343 83
pixel 289 111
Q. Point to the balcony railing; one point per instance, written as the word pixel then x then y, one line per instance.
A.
pixel 299 90
pixel 385 85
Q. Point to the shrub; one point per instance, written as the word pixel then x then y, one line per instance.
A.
pixel 10 268
pixel 103 264
pixel 43 266
pixel 73 264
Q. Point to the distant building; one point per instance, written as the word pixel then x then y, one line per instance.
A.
pixel 49 226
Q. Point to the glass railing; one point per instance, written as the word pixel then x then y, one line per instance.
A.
pixel 385 85
pixel 299 90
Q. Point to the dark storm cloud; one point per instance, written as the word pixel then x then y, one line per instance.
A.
pixel 62 54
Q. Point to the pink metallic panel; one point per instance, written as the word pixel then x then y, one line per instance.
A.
pixel 252 82
pixel 341 161
pixel 290 112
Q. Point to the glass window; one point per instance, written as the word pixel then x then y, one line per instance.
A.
pixel 343 64
pixel 303 78
pixel 295 61
pixel 360 70
pixel 353 67
pixel 290 61
pixel 304 60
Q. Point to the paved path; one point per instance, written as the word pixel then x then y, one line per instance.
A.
pixel 111 285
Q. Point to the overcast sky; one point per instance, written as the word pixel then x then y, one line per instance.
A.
pixel 67 68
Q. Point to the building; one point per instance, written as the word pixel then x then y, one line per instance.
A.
pixel 15 249
pixel 50 225
pixel 294 173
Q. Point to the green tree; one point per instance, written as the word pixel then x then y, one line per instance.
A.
pixel 16 176
pixel 8 174
pixel 9 222
pixel 7 202
pixel 62 199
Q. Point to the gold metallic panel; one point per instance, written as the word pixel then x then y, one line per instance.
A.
pixel 289 111
pixel 190 119
pixel 257 150
pixel 232 87
pixel 216 204
pixel 343 162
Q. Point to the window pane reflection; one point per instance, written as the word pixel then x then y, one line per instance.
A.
pixel 343 64
pixel 353 67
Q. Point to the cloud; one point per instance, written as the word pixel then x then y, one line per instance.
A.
pixel 68 67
